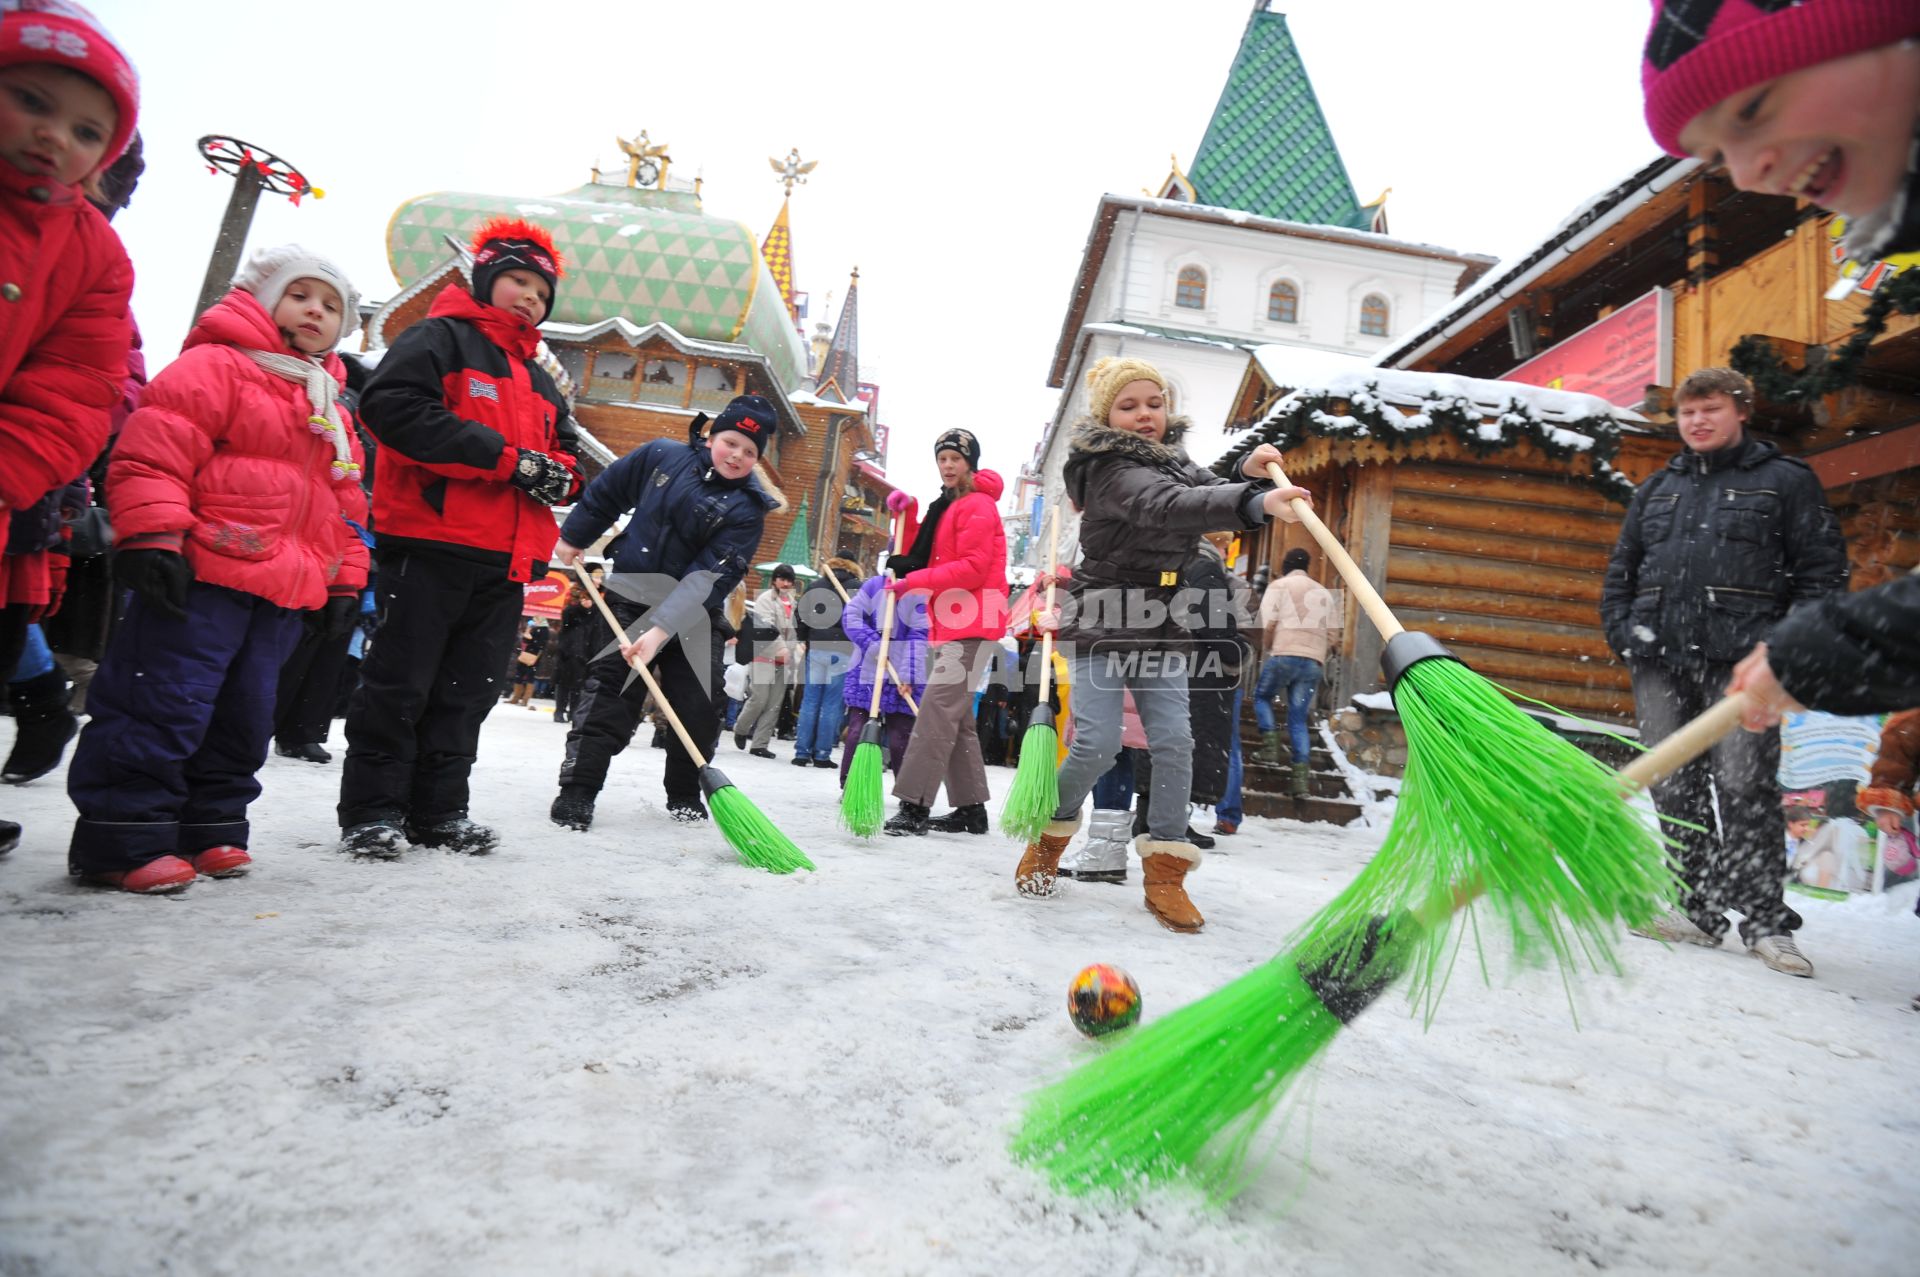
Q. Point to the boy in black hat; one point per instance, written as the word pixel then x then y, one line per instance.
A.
pixel 697 516
pixel 475 445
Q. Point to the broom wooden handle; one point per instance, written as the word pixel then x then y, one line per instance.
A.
pixel 886 629
pixel 659 697
pixel 1350 572
pixel 1053 567
pixel 1692 740
pixel 905 692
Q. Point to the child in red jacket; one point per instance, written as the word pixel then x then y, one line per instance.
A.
pixel 68 99
pixel 475 447
pixel 230 489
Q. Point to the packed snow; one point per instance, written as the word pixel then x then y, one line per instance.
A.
pixel 621 1052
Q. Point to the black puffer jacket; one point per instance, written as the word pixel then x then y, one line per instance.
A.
pixel 1716 547
pixel 1144 506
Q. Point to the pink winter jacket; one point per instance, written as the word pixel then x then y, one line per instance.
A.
pixel 967 574
pixel 219 462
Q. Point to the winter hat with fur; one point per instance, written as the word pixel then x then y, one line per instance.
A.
pixel 271 271
pixel 1105 379
pixel 510 243
pixel 64 34
pixel 1699 52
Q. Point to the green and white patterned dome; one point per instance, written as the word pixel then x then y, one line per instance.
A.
pixel 640 255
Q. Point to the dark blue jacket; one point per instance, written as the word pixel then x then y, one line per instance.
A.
pixel 688 523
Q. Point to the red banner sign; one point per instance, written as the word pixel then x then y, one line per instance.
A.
pixel 547 596
pixel 1616 358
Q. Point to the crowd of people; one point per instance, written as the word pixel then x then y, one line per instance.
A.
pixel 285 523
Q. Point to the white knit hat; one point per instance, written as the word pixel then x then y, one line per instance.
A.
pixel 271 271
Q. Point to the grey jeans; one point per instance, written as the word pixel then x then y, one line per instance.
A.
pixel 1158 681
pixel 761 714
pixel 945 747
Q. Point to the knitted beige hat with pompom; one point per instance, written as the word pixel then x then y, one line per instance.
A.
pixel 1105 379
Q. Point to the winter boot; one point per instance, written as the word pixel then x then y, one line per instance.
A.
pixel 376 839
pixel 307 753
pixel 1675 927
pixel 1273 749
pixel 1040 863
pixel 166 873
pixel 688 811
pixel 1226 828
pixel 1165 865
pixel 9 836
pixel 971 819
pixel 911 819
pixel 1103 857
pixel 44 724
pixel 1297 783
pixel 573 809
pixel 222 862
pixel 456 833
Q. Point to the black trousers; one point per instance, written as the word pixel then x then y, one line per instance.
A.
pixel 1736 858
pixel 446 628
pixel 309 685
pixel 607 710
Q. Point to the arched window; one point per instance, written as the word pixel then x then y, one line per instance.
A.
pixel 1373 315
pixel 1191 290
pixel 1283 303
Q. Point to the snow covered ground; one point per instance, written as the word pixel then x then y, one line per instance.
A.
pixel 620 1052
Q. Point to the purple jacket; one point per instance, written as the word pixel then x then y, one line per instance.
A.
pixel 907 652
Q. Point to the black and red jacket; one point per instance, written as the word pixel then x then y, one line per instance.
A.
pixel 452 403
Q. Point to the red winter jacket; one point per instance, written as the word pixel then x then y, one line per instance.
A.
pixel 64 330
pixel 452 403
pixel 218 462
pixel 967 575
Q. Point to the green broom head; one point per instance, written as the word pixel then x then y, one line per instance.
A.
pixel 1035 794
pixel 1493 800
pixel 863 801
pixel 746 828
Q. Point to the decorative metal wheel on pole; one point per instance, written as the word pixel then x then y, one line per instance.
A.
pixel 254 169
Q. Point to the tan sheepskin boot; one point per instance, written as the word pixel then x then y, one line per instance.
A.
pixel 1166 865
pixel 1039 869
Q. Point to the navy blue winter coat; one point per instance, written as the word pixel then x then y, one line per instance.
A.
pixel 688 523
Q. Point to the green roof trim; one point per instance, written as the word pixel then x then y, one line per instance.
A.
pixel 1268 150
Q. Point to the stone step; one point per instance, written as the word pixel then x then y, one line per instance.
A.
pixel 1321 780
pixel 1281 806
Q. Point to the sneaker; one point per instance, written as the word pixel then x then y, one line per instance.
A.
pixel 826 762
pixel 572 809
pixel 1782 954
pixel 971 819
pixel 911 819
pixel 166 873
pixel 456 833
pixel 379 839
pixel 762 753
pixel 687 811
pixel 1199 839
pixel 1226 828
pixel 1675 927
pixel 801 760
pixel 307 753
pixel 222 862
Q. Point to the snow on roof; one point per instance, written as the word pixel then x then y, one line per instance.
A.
pixel 1371 239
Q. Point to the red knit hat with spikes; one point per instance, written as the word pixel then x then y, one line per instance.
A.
pixel 511 243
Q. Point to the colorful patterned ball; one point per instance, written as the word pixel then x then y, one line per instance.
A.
pixel 1102 999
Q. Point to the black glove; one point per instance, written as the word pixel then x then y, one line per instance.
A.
pixel 899 565
pixel 541 477
pixel 339 616
pixel 159 577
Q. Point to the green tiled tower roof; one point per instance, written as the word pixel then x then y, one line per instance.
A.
pixel 1268 149
pixel 645 256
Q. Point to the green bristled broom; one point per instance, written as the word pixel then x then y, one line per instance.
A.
pixel 753 837
pixel 863 802
pixel 1492 803
pixel 1035 792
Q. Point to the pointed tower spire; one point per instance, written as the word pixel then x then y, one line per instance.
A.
pixel 839 376
pixel 777 250
pixel 1268 150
